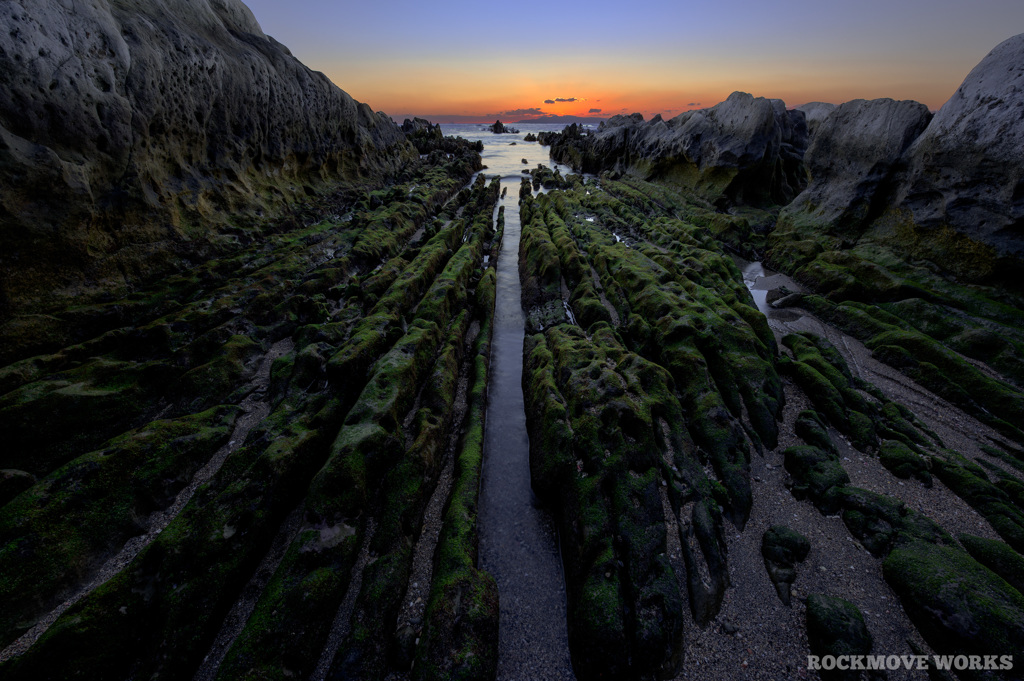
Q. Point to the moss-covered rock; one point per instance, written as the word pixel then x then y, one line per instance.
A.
pixel 904 462
pixel 60 530
pixel 811 428
pixel 459 639
pixel 969 482
pixel 782 548
pixel 997 557
pixel 958 605
pixel 610 459
pixel 836 627
pixel 881 522
pixel 817 475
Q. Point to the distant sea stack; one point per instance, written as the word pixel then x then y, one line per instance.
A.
pixel 499 128
pixel 136 137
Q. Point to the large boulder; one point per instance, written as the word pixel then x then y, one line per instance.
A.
pixel 854 159
pixel 744 150
pixel 132 134
pixel 836 627
pixel 965 170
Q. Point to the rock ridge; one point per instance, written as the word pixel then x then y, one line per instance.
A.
pixel 137 135
pixel 744 150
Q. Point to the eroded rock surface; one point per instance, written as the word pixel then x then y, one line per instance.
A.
pixel 744 150
pixel 135 136
pixel 946 188
pixel 964 171
pixel 854 157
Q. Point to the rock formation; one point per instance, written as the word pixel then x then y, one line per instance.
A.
pixel 743 150
pixel 814 114
pixel 965 171
pixel 499 128
pixel 269 463
pixel 853 160
pixel 138 136
pixel 947 188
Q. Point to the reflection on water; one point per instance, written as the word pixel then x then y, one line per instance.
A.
pixel 760 280
pixel 505 159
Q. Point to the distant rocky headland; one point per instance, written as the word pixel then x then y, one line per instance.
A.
pixel 772 373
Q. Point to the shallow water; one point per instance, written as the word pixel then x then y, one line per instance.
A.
pixel 518 541
pixel 504 159
pixel 759 280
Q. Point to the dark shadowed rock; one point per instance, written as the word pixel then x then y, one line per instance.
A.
pixel 965 170
pixel 836 627
pixel 959 606
pixel 421 126
pixel 133 134
pixel 782 548
pixel 854 157
pixel 500 129
pixel 814 114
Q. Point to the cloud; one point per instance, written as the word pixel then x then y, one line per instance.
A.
pixel 566 99
pixel 693 104
pixel 534 111
pixel 595 111
pixel 549 101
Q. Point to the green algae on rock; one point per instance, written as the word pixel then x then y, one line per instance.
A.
pixel 836 627
pixel 782 548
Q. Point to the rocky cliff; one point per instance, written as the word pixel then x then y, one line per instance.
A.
pixel 856 152
pixel 744 150
pixel 965 171
pixel 948 188
pixel 137 136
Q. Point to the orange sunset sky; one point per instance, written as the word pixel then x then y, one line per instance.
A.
pixel 481 60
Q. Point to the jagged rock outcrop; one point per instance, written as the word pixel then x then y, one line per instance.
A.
pixel 744 150
pixel 947 188
pixel 132 134
pixel 854 158
pixel 499 128
pixel 815 113
pixel 965 170
pixel 424 135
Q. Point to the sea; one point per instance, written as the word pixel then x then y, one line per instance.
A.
pixel 507 155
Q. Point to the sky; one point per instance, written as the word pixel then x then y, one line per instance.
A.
pixel 459 60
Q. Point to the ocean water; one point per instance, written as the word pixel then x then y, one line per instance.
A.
pixel 504 154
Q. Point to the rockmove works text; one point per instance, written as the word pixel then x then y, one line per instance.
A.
pixel 892 662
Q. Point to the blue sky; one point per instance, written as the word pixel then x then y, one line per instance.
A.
pixel 484 58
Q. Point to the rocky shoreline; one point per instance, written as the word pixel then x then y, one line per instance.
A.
pixel 246 340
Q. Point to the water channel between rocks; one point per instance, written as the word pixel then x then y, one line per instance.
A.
pixel 518 539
